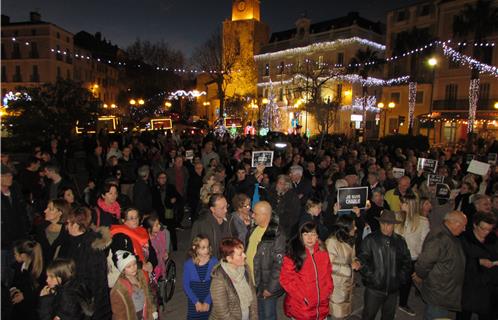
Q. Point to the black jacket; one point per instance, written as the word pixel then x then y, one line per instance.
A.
pixel 89 252
pixel 142 196
pixel 14 218
pixel 161 205
pixel 268 260
pixel 385 261
pixel 479 281
pixel 71 301
pixel 50 250
pixel 286 210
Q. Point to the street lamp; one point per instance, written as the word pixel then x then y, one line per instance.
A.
pixel 141 102
pixel 133 102
pixel 496 105
pixel 432 63
pixel 167 104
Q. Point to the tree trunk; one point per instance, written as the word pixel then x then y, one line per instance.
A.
pixel 412 97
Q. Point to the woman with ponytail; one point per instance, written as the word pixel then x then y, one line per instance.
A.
pixel 27 279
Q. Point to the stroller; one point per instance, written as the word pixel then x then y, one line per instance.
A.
pixel 166 285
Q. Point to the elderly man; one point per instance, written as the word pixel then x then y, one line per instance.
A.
pixel 286 205
pixel 213 224
pixel 481 203
pixel 402 190
pixel 440 268
pixel 301 185
pixel 265 252
pixel 385 265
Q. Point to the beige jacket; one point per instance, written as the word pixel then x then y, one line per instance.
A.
pixel 226 303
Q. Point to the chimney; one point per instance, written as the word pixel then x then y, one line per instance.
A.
pixel 34 16
pixel 5 19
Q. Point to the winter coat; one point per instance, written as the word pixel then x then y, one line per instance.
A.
pixel 71 301
pixel 268 260
pixel 208 225
pixel 171 173
pixel 50 251
pixel 160 205
pixel 142 196
pixel 30 288
pixel 245 186
pixel 386 262
pixel 122 303
pixel 479 281
pixel 286 209
pixel 308 290
pixel 14 218
pixel 341 256
pixel 441 265
pixel 226 303
pixel 89 252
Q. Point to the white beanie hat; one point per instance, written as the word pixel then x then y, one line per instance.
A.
pixel 124 258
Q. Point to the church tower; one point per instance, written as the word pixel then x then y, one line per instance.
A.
pixel 243 37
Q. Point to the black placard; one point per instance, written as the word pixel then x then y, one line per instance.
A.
pixel 264 157
pixel 427 165
pixel 348 198
pixel 443 191
pixel 433 179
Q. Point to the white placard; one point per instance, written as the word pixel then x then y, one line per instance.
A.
pixel 478 167
pixel 265 157
pixel 398 172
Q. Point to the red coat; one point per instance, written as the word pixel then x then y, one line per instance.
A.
pixel 308 290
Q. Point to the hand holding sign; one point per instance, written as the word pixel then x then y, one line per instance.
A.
pixel 349 198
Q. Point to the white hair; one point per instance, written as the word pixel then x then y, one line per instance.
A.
pixel 296 169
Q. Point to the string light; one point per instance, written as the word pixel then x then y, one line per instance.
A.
pixel 358 104
pixel 469 61
pixel 412 97
pixel 352 78
pixel 188 94
pixel 473 97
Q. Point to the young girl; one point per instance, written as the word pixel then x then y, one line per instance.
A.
pixel 24 290
pixel 63 297
pixel 197 278
pixel 131 297
pixel 306 276
pixel 160 239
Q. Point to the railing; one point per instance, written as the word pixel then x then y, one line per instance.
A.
pixel 462 104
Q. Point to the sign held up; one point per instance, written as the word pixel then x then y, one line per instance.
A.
pixel 262 157
pixel 348 198
pixel 427 165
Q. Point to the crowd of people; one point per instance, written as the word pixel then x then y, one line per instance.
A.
pixel 99 249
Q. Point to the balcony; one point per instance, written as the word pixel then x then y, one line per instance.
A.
pixel 462 105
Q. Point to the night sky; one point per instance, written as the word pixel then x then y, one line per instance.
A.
pixel 183 23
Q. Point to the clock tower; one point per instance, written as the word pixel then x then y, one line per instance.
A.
pixel 243 37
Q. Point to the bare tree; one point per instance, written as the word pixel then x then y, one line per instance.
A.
pixel 217 62
pixel 156 54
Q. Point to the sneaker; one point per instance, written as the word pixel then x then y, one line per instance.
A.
pixel 406 309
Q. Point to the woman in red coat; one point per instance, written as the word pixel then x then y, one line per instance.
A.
pixel 306 276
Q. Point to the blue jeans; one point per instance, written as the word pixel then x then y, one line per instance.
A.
pixel 434 312
pixel 267 308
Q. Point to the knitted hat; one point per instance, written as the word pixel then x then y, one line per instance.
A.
pixel 124 258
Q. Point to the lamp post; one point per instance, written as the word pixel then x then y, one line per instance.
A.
pixel 391 105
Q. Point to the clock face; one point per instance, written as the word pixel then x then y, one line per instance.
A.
pixel 241 6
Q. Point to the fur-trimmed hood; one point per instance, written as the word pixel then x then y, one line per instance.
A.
pixel 102 239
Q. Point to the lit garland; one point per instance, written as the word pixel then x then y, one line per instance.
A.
pixel 412 97
pixel 469 61
pixel 271 114
pixel 358 104
pixel 352 78
pixel 188 94
pixel 11 96
pixel 473 97
pixel 327 45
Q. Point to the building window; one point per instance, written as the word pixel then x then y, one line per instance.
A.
pixel 4 74
pixel 267 70
pixel 58 54
pixel 68 56
pixel 58 73
pixel 35 77
pixel 451 92
pixel 4 56
pixel 484 92
pixel 58 35
pixel 17 76
pixel 487 55
pixel 402 15
pixel 395 97
pixel 424 10
pixel 33 32
pixel 340 58
pixel 68 74
pixel 420 97
pixel 67 39
pixel 393 125
pixel 16 51
pixel 33 54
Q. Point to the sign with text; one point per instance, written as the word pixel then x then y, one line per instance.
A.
pixel 427 165
pixel 189 154
pixel 492 158
pixel 348 198
pixel 433 179
pixel 478 167
pixel 264 157
pixel 398 172
pixel 443 191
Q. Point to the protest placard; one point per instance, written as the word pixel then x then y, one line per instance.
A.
pixel 264 157
pixel 433 179
pixel 478 167
pixel 189 154
pixel 443 191
pixel 348 198
pixel 427 165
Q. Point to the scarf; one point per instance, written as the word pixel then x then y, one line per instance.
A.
pixel 139 238
pixel 113 209
pixel 239 281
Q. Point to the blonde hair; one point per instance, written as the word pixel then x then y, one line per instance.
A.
pixel 192 251
pixel 33 250
pixel 62 268
pixel 410 218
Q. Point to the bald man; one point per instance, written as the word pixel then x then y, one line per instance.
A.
pixel 265 252
pixel 440 268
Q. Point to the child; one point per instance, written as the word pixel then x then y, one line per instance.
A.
pixel 197 277
pixel 160 239
pixel 63 297
pixel 131 297
pixel 24 290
